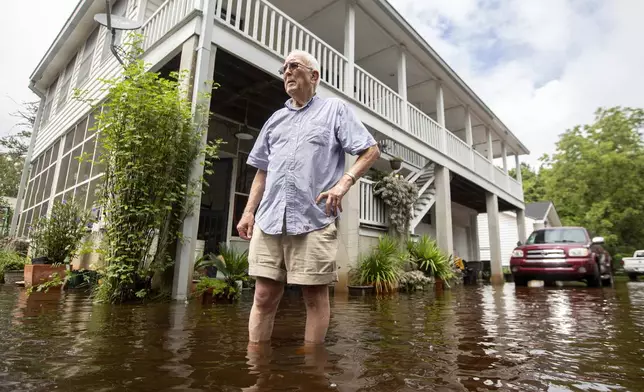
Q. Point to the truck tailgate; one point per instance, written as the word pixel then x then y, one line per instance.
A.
pixel 635 264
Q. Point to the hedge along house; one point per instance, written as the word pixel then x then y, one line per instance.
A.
pixel 406 95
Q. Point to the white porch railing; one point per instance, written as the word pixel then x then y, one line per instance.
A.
pixel 408 155
pixel 372 208
pixel 375 95
pixel 274 30
pixel 501 178
pixel 425 128
pixel 168 16
pixel 516 189
pixel 481 165
pixel 458 150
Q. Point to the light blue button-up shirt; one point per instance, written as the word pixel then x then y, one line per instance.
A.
pixel 303 152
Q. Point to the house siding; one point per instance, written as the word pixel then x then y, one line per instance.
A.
pixel 62 118
pixel 509 235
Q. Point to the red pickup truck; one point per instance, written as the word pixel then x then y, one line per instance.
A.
pixel 564 254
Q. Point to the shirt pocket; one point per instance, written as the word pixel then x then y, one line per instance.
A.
pixel 318 136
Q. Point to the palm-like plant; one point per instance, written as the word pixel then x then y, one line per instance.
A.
pixel 383 267
pixel 231 263
pixel 430 258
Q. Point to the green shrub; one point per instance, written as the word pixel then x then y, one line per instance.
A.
pixel 10 261
pixel 430 258
pixel 383 266
pixel 59 236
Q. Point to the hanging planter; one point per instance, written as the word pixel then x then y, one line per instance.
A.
pixel 395 163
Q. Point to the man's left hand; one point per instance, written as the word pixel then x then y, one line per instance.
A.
pixel 334 196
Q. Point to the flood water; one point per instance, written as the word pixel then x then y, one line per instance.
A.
pixel 471 338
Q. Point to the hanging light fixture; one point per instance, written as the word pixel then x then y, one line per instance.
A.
pixel 244 131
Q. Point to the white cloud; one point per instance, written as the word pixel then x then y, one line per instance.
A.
pixel 542 65
pixel 27 29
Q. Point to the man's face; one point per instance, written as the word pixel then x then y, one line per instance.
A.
pixel 298 75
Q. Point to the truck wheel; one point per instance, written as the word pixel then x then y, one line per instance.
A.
pixel 595 280
pixel 520 282
pixel 632 277
pixel 608 282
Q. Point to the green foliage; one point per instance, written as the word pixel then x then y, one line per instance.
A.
pixel 383 266
pixel 55 280
pixel 413 280
pixel 59 236
pixel 231 263
pixel 430 258
pixel 595 177
pixel 220 289
pixel 13 149
pixel 533 186
pixel 151 138
pixel 10 261
pixel 399 195
pixel 6 212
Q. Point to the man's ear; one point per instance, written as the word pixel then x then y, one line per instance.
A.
pixel 315 77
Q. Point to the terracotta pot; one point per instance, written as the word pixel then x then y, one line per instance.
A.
pixel 35 274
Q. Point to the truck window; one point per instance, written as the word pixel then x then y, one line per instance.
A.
pixel 558 236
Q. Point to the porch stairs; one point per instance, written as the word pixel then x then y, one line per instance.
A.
pixel 424 180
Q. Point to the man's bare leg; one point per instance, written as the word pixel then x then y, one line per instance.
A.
pixel 318 313
pixel 268 294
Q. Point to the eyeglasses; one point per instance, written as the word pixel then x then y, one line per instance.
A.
pixel 292 66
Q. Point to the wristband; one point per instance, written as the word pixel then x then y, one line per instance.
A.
pixel 353 178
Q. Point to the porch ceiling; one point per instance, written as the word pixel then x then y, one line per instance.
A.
pixel 244 88
pixel 472 196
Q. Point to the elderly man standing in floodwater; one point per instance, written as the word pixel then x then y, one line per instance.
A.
pixel 299 185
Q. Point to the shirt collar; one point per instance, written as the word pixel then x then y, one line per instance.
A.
pixel 289 103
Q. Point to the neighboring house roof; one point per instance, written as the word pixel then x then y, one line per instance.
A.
pixel 538 210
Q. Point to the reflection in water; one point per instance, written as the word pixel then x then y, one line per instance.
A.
pixel 464 339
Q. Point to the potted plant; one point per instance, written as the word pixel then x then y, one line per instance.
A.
pixel 395 163
pixel 380 270
pixel 12 266
pixel 233 265
pixel 55 241
pixel 213 290
pixel 507 274
pixel 431 260
pixel 399 195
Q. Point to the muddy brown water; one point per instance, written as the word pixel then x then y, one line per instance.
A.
pixel 472 338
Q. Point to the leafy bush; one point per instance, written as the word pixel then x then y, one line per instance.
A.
pixel 10 261
pixel 231 263
pixel 399 195
pixel 59 237
pixel 151 137
pixel 220 289
pixel 430 258
pixel 383 266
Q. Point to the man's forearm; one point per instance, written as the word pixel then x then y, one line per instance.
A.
pixel 256 192
pixel 365 161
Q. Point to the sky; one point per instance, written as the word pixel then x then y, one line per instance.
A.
pixel 542 66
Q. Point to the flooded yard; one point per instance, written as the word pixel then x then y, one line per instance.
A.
pixel 471 338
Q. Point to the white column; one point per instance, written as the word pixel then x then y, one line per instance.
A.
pixel 26 169
pixel 492 207
pixel 350 46
pixel 504 153
pixel 443 207
pixel 204 69
pixel 469 139
pixel 521 225
pixel 440 104
pixel 468 127
pixel 348 231
pixel 518 165
pixel 475 247
pixel 402 86
pixel 490 151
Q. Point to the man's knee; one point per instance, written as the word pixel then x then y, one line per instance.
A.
pixel 268 294
pixel 316 297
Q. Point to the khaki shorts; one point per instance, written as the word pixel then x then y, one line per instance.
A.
pixel 305 259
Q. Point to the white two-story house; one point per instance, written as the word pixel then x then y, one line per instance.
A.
pixel 404 93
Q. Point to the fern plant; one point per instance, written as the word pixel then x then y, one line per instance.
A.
pixel 430 258
pixel 383 266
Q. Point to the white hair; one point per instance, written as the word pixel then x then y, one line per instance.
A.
pixel 310 60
